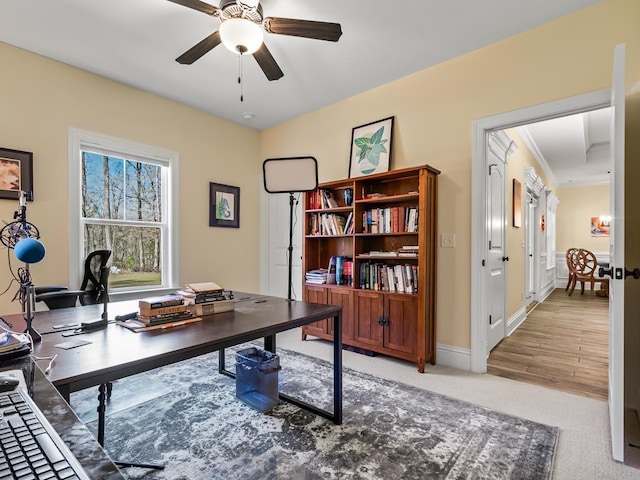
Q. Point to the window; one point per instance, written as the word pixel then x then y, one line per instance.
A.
pixel 123 198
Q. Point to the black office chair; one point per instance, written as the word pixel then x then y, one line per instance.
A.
pixel 92 290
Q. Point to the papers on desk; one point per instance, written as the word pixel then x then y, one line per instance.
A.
pixel 138 326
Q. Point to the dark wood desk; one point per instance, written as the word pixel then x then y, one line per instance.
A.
pixel 116 352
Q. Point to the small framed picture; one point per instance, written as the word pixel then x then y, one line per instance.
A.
pixel 224 205
pixel 371 148
pixel 16 173
pixel 517 204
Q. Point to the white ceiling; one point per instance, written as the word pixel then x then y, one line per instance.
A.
pixel 136 43
pixel 574 150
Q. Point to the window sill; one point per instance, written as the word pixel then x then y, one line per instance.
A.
pixel 137 294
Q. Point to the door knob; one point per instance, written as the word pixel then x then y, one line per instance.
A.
pixel 505 259
pixel 635 273
pixel 605 271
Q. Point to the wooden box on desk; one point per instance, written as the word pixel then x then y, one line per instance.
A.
pixel 210 308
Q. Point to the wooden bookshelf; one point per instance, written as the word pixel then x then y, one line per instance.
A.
pixel 388 313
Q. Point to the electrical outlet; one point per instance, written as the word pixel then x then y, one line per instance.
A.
pixel 448 240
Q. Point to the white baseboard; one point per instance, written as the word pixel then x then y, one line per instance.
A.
pixel 455 357
pixel 516 320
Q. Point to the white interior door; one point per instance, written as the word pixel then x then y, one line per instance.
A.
pixel 530 260
pixel 278 240
pixel 616 252
pixel 496 249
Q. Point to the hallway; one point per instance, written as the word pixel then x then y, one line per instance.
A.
pixel 563 344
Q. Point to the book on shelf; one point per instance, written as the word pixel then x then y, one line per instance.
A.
pixel 331 275
pixel 138 326
pixel 340 271
pixel 170 300
pixel 373 195
pixel 389 278
pixel 382 253
pixel 327 199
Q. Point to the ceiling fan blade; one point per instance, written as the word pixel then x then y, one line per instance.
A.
pixel 198 50
pixel 303 28
pixel 197 5
pixel 268 63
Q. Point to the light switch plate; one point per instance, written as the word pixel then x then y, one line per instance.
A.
pixel 448 240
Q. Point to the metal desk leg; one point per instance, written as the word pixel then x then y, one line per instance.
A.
pixel 221 366
pixel 102 389
pixel 270 343
pixel 337 368
pixel 102 407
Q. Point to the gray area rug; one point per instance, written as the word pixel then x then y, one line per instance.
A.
pixel 200 430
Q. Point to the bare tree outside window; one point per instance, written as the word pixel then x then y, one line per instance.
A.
pixel 122 212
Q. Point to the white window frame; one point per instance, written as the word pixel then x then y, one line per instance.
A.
pixel 80 140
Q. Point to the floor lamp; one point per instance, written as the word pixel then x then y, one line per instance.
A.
pixel 290 175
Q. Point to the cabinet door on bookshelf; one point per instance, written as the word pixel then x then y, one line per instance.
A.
pixel 316 295
pixel 344 298
pixel 401 332
pixel 369 314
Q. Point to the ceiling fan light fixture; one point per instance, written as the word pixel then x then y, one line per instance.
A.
pixel 241 36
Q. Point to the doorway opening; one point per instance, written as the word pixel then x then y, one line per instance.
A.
pixel 481 294
pixel 564 344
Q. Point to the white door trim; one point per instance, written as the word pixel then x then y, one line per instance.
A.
pixel 481 128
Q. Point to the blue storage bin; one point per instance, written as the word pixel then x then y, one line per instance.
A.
pixel 257 378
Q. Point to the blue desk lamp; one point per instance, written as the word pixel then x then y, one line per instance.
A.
pixel 22 237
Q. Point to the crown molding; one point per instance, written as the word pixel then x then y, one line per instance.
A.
pixel 537 154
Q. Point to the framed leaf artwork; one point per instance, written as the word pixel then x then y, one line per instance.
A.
pixel 371 148
pixel 224 205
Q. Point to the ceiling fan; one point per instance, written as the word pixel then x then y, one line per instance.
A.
pixel 241 31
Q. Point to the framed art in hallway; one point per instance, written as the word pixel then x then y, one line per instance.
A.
pixel 371 148
pixel 517 204
pixel 16 173
pixel 600 226
pixel 224 205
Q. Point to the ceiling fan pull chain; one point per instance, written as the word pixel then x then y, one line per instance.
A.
pixel 240 76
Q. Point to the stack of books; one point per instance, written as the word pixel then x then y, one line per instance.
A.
pixel 13 344
pixel 317 276
pixel 163 309
pixel 208 298
pixel 408 251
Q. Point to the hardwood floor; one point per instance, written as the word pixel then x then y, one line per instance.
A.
pixel 563 344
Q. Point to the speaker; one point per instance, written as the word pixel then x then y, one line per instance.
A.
pixel 288 175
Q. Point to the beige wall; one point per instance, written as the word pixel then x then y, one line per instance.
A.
pixel 41 99
pixel 434 110
pixel 577 206
pixel 519 160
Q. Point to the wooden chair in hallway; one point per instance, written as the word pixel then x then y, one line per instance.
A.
pixel 584 265
pixel 569 258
